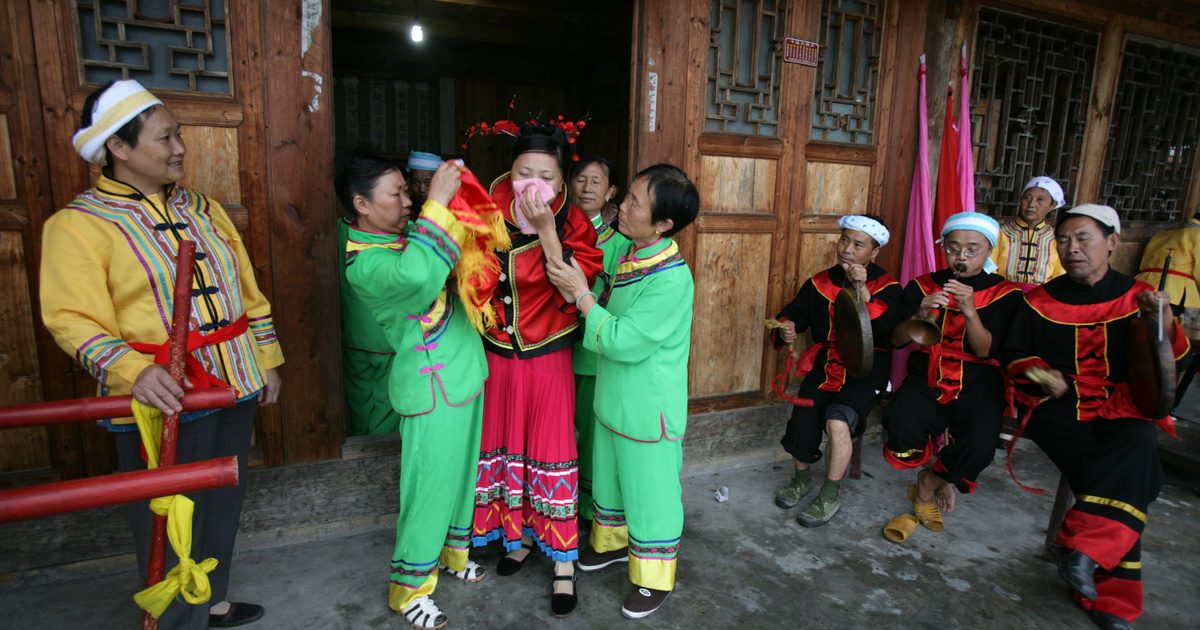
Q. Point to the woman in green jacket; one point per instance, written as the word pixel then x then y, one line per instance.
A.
pixel 398 270
pixel 641 331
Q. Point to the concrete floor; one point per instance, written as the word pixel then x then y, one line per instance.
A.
pixel 743 562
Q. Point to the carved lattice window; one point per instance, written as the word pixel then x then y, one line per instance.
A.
pixel 391 116
pixel 848 71
pixel 166 44
pixel 1030 87
pixel 745 45
pixel 1152 141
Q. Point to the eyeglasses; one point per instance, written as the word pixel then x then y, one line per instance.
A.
pixel 966 253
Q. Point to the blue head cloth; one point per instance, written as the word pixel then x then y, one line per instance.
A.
pixel 422 161
pixel 976 222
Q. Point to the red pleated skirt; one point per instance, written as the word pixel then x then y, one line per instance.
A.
pixel 528 468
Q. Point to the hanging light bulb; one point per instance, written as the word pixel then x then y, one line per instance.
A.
pixel 417 34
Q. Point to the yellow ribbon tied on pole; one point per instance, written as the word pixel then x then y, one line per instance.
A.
pixel 188 578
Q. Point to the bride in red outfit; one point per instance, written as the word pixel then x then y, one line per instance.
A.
pixel 528 478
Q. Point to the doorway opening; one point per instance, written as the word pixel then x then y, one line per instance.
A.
pixel 396 95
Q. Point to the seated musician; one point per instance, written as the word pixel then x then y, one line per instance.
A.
pixel 841 402
pixel 953 384
pixel 1089 426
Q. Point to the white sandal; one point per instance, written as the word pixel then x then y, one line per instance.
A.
pixel 471 574
pixel 423 614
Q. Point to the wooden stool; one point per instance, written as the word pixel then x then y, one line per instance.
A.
pixel 1063 500
pixel 856 458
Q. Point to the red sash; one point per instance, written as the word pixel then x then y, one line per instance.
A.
pixel 195 371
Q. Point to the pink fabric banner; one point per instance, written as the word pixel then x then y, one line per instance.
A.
pixel 918 257
pixel 966 157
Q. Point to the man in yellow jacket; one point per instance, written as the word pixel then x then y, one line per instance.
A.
pixel 1182 244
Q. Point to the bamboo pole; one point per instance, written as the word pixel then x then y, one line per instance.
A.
pixel 181 313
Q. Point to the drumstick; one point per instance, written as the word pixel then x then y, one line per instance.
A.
pixel 771 324
pixel 1162 286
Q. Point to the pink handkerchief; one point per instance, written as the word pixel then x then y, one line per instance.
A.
pixel 540 188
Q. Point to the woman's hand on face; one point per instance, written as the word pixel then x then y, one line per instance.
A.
pixel 444 185
pixel 567 278
pixel 536 211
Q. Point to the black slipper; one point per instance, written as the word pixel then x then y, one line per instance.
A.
pixel 509 566
pixel 239 614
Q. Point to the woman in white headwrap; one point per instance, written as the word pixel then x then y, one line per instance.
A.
pixel 107 276
pixel 1025 252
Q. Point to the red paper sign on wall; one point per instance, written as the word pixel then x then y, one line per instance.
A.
pixel 801 51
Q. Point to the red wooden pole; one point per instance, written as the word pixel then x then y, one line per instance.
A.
pixel 139 485
pixel 181 313
pixel 83 409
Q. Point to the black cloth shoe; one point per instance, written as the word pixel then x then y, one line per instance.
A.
pixel 1109 622
pixel 563 604
pixel 239 614
pixel 508 566
pixel 1076 569
pixel 592 560
pixel 643 601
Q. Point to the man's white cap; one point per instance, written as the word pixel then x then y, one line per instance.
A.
pixel 1103 214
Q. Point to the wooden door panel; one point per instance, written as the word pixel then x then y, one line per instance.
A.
pixel 212 163
pixel 836 189
pixel 737 184
pixel 732 271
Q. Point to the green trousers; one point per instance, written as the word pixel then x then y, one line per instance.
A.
pixel 638 504
pixel 585 431
pixel 365 379
pixel 438 461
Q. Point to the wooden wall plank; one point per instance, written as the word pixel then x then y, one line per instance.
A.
pixel 301 214
pixel 836 188
pixel 32 50
pixel 901 131
pixel 1099 112
pixel 8 178
pixel 19 372
pixel 246 51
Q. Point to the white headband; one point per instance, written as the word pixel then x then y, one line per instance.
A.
pixel 119 104
pixel 866 225
pixel 1049 185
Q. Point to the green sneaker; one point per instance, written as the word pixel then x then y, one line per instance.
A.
pixel 789 496
pixel 819 511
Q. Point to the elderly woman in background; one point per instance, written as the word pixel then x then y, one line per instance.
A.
pixel 593 191
pixel 640 329
pixel 1025 252
pixel 527 487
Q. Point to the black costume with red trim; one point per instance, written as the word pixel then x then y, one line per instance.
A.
pixel 532 319
pixel 948 387
pixel 1095 435
pixel 826 383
